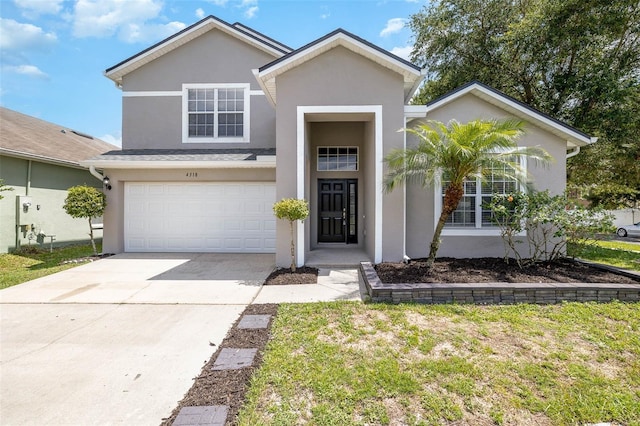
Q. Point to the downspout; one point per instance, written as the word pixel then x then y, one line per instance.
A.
pixel 28 187
pixel 573 152
pixel 95 173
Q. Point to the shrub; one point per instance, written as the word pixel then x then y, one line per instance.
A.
pixel 291 209
pixel 85 202
pixel 547 222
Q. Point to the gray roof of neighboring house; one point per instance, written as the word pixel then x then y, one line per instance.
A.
pixel 185 154
pixel 24 136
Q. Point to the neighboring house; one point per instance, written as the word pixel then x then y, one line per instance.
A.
pixel 207 112
pixel 40 161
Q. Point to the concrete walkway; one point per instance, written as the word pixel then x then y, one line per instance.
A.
pixel 119 340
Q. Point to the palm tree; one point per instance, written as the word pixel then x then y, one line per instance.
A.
pixel 459 151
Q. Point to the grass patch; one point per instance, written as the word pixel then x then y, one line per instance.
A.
pixel 31 262
pixel 614 253
pixel 356 364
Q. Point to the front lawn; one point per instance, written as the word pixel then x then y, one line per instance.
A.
pixel 615 253
pixel 32 262
pixel 357 364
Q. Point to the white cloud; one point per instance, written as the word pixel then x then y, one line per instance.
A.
pixel 325 15
pixel 114 140
pixel 221 3
pixel 126 18
pixel 403 52
pixel 394 25
pixel 145 33
pixel 19 37
pixel 28 70
pixel 251 12
pixel 34 8
pixel 199 13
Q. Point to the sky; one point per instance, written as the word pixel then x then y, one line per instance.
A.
pixel 53 53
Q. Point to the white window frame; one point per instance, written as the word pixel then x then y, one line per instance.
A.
pixel 227 139
pixel 478 230
pixel 338 147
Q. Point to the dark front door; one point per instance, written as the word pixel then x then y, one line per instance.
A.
pixel 337 215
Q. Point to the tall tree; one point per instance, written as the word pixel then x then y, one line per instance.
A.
pixel 459 152
pixel 576 60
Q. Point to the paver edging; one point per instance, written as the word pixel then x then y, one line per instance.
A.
pixel 494 293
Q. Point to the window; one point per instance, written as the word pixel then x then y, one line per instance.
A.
pixel 471 216
pixel 216 113
pixel 340 159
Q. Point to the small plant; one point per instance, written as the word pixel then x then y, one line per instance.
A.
pixel 547 222
pixel 291 209
pixel 85 202
pixel 3 188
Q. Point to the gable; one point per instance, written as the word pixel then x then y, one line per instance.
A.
pixel 212 57
pixel 574 138
pixel 251 37
pixel 267 75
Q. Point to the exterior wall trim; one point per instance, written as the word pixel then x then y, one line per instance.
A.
pixel 181 164
pixel 376 110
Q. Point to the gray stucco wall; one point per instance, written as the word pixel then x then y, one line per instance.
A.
pixel 48 190
pixel 113 241
pixel 215 57
pixel 335 78
pixel 420 201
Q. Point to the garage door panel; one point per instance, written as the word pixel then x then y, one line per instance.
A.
pixel 200 217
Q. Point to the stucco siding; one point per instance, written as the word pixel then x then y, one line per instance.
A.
pixel 215 57
pixel 421 216
pixel 48 190
pixel 340 77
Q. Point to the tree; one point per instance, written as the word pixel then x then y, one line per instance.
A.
pixel 459 152
pixel 576 60
pixel 291 209
pixel 85 202
pixel 3 188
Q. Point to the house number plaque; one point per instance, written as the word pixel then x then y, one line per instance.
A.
pixel 192 174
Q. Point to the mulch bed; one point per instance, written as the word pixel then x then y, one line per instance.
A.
pixel 284 276
pixel 448 270
pixel 228 387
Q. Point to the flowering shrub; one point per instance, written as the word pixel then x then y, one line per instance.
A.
pixel 546 223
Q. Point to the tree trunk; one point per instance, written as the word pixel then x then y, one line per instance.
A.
pixel 93 244
pixel 293 252
pixel 452 196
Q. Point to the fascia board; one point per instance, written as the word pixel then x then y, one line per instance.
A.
pixel 179 164
pixel 572 136
pixel 264 88
pixel 41 158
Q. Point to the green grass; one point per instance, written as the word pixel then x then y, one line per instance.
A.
pixel 357 364
pixel 32 263
pixel 614 253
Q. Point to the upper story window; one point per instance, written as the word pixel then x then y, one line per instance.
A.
pixel 215 113
pixel 338 158
pixel 472 217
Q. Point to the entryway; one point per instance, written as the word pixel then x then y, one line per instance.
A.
pixel 338 211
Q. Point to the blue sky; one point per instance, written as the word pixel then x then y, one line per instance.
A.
pixel 54 52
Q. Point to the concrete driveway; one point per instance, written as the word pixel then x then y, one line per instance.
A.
pixel 119 340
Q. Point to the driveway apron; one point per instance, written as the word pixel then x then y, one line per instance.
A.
pixel 118 341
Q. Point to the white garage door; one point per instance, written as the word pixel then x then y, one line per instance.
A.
pixel 199 217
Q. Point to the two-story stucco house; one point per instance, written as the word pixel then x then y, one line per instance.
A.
pixel 220 121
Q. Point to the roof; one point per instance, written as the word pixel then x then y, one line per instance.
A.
pixel 179 158
pixel 207 24
pixel 28 137
pixel 267 74
pixel 573 136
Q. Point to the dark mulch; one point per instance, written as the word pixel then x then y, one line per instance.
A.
pixel 447 270
pixel 284 276
pixel 228 387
